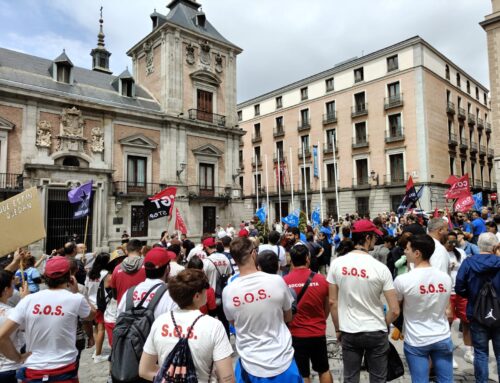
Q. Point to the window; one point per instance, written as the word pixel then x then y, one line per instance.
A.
pixel 362 172
pixel 136 173
pixel 473 170
pixel 459 102
pixel 463 167
pixel 468 86
pixel 329 84
pixel 359 75
pixel 396 201
pixel 256 109
pixel 257 182
pixel 70 161
pixel 395 125
pixel 477 93
pixel 397 168
pixel 138 222
pixel 330 175
pixel 447 72
pixel 359 101
pixel 279 102
pixel 330 110
pixel 240 115
pixel 331 138
pixel 303 204
pixel 485 98
pixel 303 93
pixel 240 156
pixel 279 123
pixel 481 169
pixel 241 183
pixel 331 206
pixel 458 80
pixel 450 128
pixel 469 106
pixel 461 131
pixel 360 132
pixel 257 154
pixel 305 178
pixel 392 63
pixel 63 73
pixel 304 143
pixel 127 87
pixel 204 105
pixel 256 130
pixel 362 206
pixel 206 177
pixel 279 150
pixel 448 96
pixel 304 117
pixel 452 165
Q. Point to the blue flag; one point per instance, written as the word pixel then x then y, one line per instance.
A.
pixel 316 217
pixel 303 237
pixel 81 195
pixel 315 161
pixel 262 214
pixel 328 233
pixel 478 201
pixel 292 219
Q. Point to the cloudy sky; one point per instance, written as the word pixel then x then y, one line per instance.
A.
pixel 283 41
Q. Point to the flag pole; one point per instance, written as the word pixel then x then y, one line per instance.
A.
pixel 256 180
pixel 86 230
pixel 267 191
pixel 279 183
pixel 320 165
pixel 291 178
pixel 304 184
pixel 334 144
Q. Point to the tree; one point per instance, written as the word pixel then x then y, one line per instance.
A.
pixel 302 222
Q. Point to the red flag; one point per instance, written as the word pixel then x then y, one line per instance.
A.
pixel 451 180
pixel 461 188
pixel 450 223
pixel 179 222
pixel 464 203
pixel 167 195
pixel 409 184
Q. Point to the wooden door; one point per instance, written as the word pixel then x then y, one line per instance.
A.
pixel 204 105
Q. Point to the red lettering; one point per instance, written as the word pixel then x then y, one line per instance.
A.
pixel 344 270
pixel 249 296
pixel 135 296
pixel 164 330
pixel 354 272
pixel 58 310
pixel 47 310
pixel 432 289
pixel 236 301
pixel 178 331
pixel 36 309
pixel 262 294
pixel 441 288
pixel 422 289
pixel 363 273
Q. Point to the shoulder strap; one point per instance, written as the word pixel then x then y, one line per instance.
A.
pixel 130 299
pixel 192 325
pixel 306 285
pixel 147 294
pixel 216 268
pixel 158 295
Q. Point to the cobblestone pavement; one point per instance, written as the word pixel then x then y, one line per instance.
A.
pixel 98 373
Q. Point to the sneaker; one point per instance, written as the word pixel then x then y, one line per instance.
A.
pixel 101 358
pixel 469 357
pixel 455 364
pixel 93 355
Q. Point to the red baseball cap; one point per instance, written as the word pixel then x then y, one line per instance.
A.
pixel 209 242
pixel 159 257
pixel 365 225
pixel 56 267
pixel 243 233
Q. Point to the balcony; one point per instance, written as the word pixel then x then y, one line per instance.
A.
pixel 450 108
pixel 471 119
pixel 473 148
pixel 256 163
pixel 278 131
pixel 461 113
pixel 329 118
pixel 359 110
pixel 241 165
pixel 482 150
pixel 328 148
pixel 491 153
pixel 136 189
pixel 394 101
pixel 11 182
pixel 396 179
pixel 361 182
pixel 488 128
pixel 302 188
pixel 256 138
pixel 329 185
pixel 211 118
pixel 209 193
pixel 281 158
pixel 478 184
pixel 452 140
pixel 486 184
pixel 303 125
pixel 464 144
pixel 480 124
pixel 360 142
pixel 307 152
pixel 394 134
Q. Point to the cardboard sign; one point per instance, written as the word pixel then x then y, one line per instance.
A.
pixel 21 221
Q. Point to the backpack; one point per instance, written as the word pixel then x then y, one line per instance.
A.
pixel 130 333
pixel 221 281
pixel 178 366
pixel 103 296
pixel 487 306
pixel 231 260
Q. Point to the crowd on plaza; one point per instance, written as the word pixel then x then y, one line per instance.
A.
pixel 170 311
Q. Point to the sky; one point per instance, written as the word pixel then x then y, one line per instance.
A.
pixel 282 41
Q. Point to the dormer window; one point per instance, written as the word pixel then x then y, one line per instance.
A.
pixel 63 73
pixel 125 84
pixel 127 87
pixel 62 69
pixel 201 20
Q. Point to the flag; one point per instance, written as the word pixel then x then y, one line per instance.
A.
pixel 315 217
pixel 451 180
pixel 161 204
pixel 81 195
pixel 328 233
pixel 410 198
pixel 460 188
pixel 179 222
pixel 464 204
pixel 292 219
pixel 478 201
pixel 315 161
pixel 262 214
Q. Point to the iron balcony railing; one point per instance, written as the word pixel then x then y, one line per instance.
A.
pixel 256 138
pixel 211 118
pixel 304 125
pixel 360 142
pixel 257 162
pixel 452 139
pixel 394 134
pixel 208 191
pixel 329 118
pixel 480 123
pixel 450 107
pixel 360 109
pixel 330 184
pixel 361 182
pixel 396 179
pixel 307 151
pixel 461 113
pixel 328 148
pixel 11 181
pixel 471 119
pixel 394 101
pixel 282 157
pixel 279 131
pixel 488 128
pixel 464 144
pixel 136 189
pixel 473 148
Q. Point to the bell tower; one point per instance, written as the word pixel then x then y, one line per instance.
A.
pixel 100 55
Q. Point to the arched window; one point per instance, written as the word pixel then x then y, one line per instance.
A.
pixel 71 161
pixel 447 72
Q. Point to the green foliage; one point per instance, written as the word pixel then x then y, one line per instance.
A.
pixel 263 228
pixel 302 222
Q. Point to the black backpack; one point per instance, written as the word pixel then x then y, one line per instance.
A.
pixel 487 306
pixel 103 296
pixel 178 366
pixel 130 333
pixel 221 281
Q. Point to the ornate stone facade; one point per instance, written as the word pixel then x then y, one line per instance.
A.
pixel 43 134
pixel 97 141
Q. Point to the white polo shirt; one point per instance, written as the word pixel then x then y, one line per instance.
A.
pixel 440 258
pixel 361 281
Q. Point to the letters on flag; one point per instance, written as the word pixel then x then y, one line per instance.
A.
pixel 410 198
pixel 463 204
pixel 161 204
pixel 81 195
pixel 460 188
pixel 292 219
pixel 179 222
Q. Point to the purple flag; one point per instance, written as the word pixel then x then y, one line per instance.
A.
pixel 82 196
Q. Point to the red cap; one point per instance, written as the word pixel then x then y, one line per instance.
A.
pixel 159 257
pixel 56 267
pixel 365 225
pixel 209 242
pixel 243 233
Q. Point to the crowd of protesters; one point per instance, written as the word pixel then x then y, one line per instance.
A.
pixel 270 294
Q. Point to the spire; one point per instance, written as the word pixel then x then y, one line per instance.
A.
pixel 100 56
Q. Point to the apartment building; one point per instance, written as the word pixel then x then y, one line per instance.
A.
pixel 405 110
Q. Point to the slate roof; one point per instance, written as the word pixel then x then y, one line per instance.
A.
pixel 32 73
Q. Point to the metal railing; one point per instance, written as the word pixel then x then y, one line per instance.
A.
pixel 361 182
pixel 473 147
pixel 461 113
pixel 396 179
pixel 328 147
pixel 329 118
pixel 256 162
pixel 207 191
pixel 282 157
pixel 464 144
pixel 303 125
pixel 359 142
pixel 450 107
pixel 471 119
pixel 452 139
pixel 329 184
pixel 488 128
pixel 211 118
pixel 359 110
pixel 307 151
pixel 480 123
pixel 136 189
pixel 256 138
pixel 394 134
pixel 278 131
pixel 11 181
pixel 393 101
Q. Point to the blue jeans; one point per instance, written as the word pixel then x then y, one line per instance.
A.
pixel 441 354
pixel 481 336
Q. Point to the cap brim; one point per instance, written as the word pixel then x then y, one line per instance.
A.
pixel 378 232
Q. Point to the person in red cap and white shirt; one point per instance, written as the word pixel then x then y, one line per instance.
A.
pixel 357 281
pixel 157 266
pixel 49 319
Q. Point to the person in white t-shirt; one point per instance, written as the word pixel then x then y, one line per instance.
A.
pixel 156 264
pixel 49 318
pixel 424 294
pixel 274 239
pixel 259 305
pixel 437 228
pixel 175 266
pixel 198 250
pixel 208 342
pixel 357 281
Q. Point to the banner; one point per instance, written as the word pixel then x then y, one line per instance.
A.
pixel 161 204
pixel 81 195
pixel 21 220
pixel 315 217
pixel 315 161
pixel 410 198
pixel 261 214
pixel 292 219
pixel 464 204
pixel 179 222
pixel 460 188
pixel 478 201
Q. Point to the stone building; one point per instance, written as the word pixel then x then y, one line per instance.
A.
pixel 170 121
pixel 405 110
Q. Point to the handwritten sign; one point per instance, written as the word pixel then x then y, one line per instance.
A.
pixel 21 221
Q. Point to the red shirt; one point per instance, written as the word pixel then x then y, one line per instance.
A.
pixel 210 305
pixel 122 281
pixel 310 320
